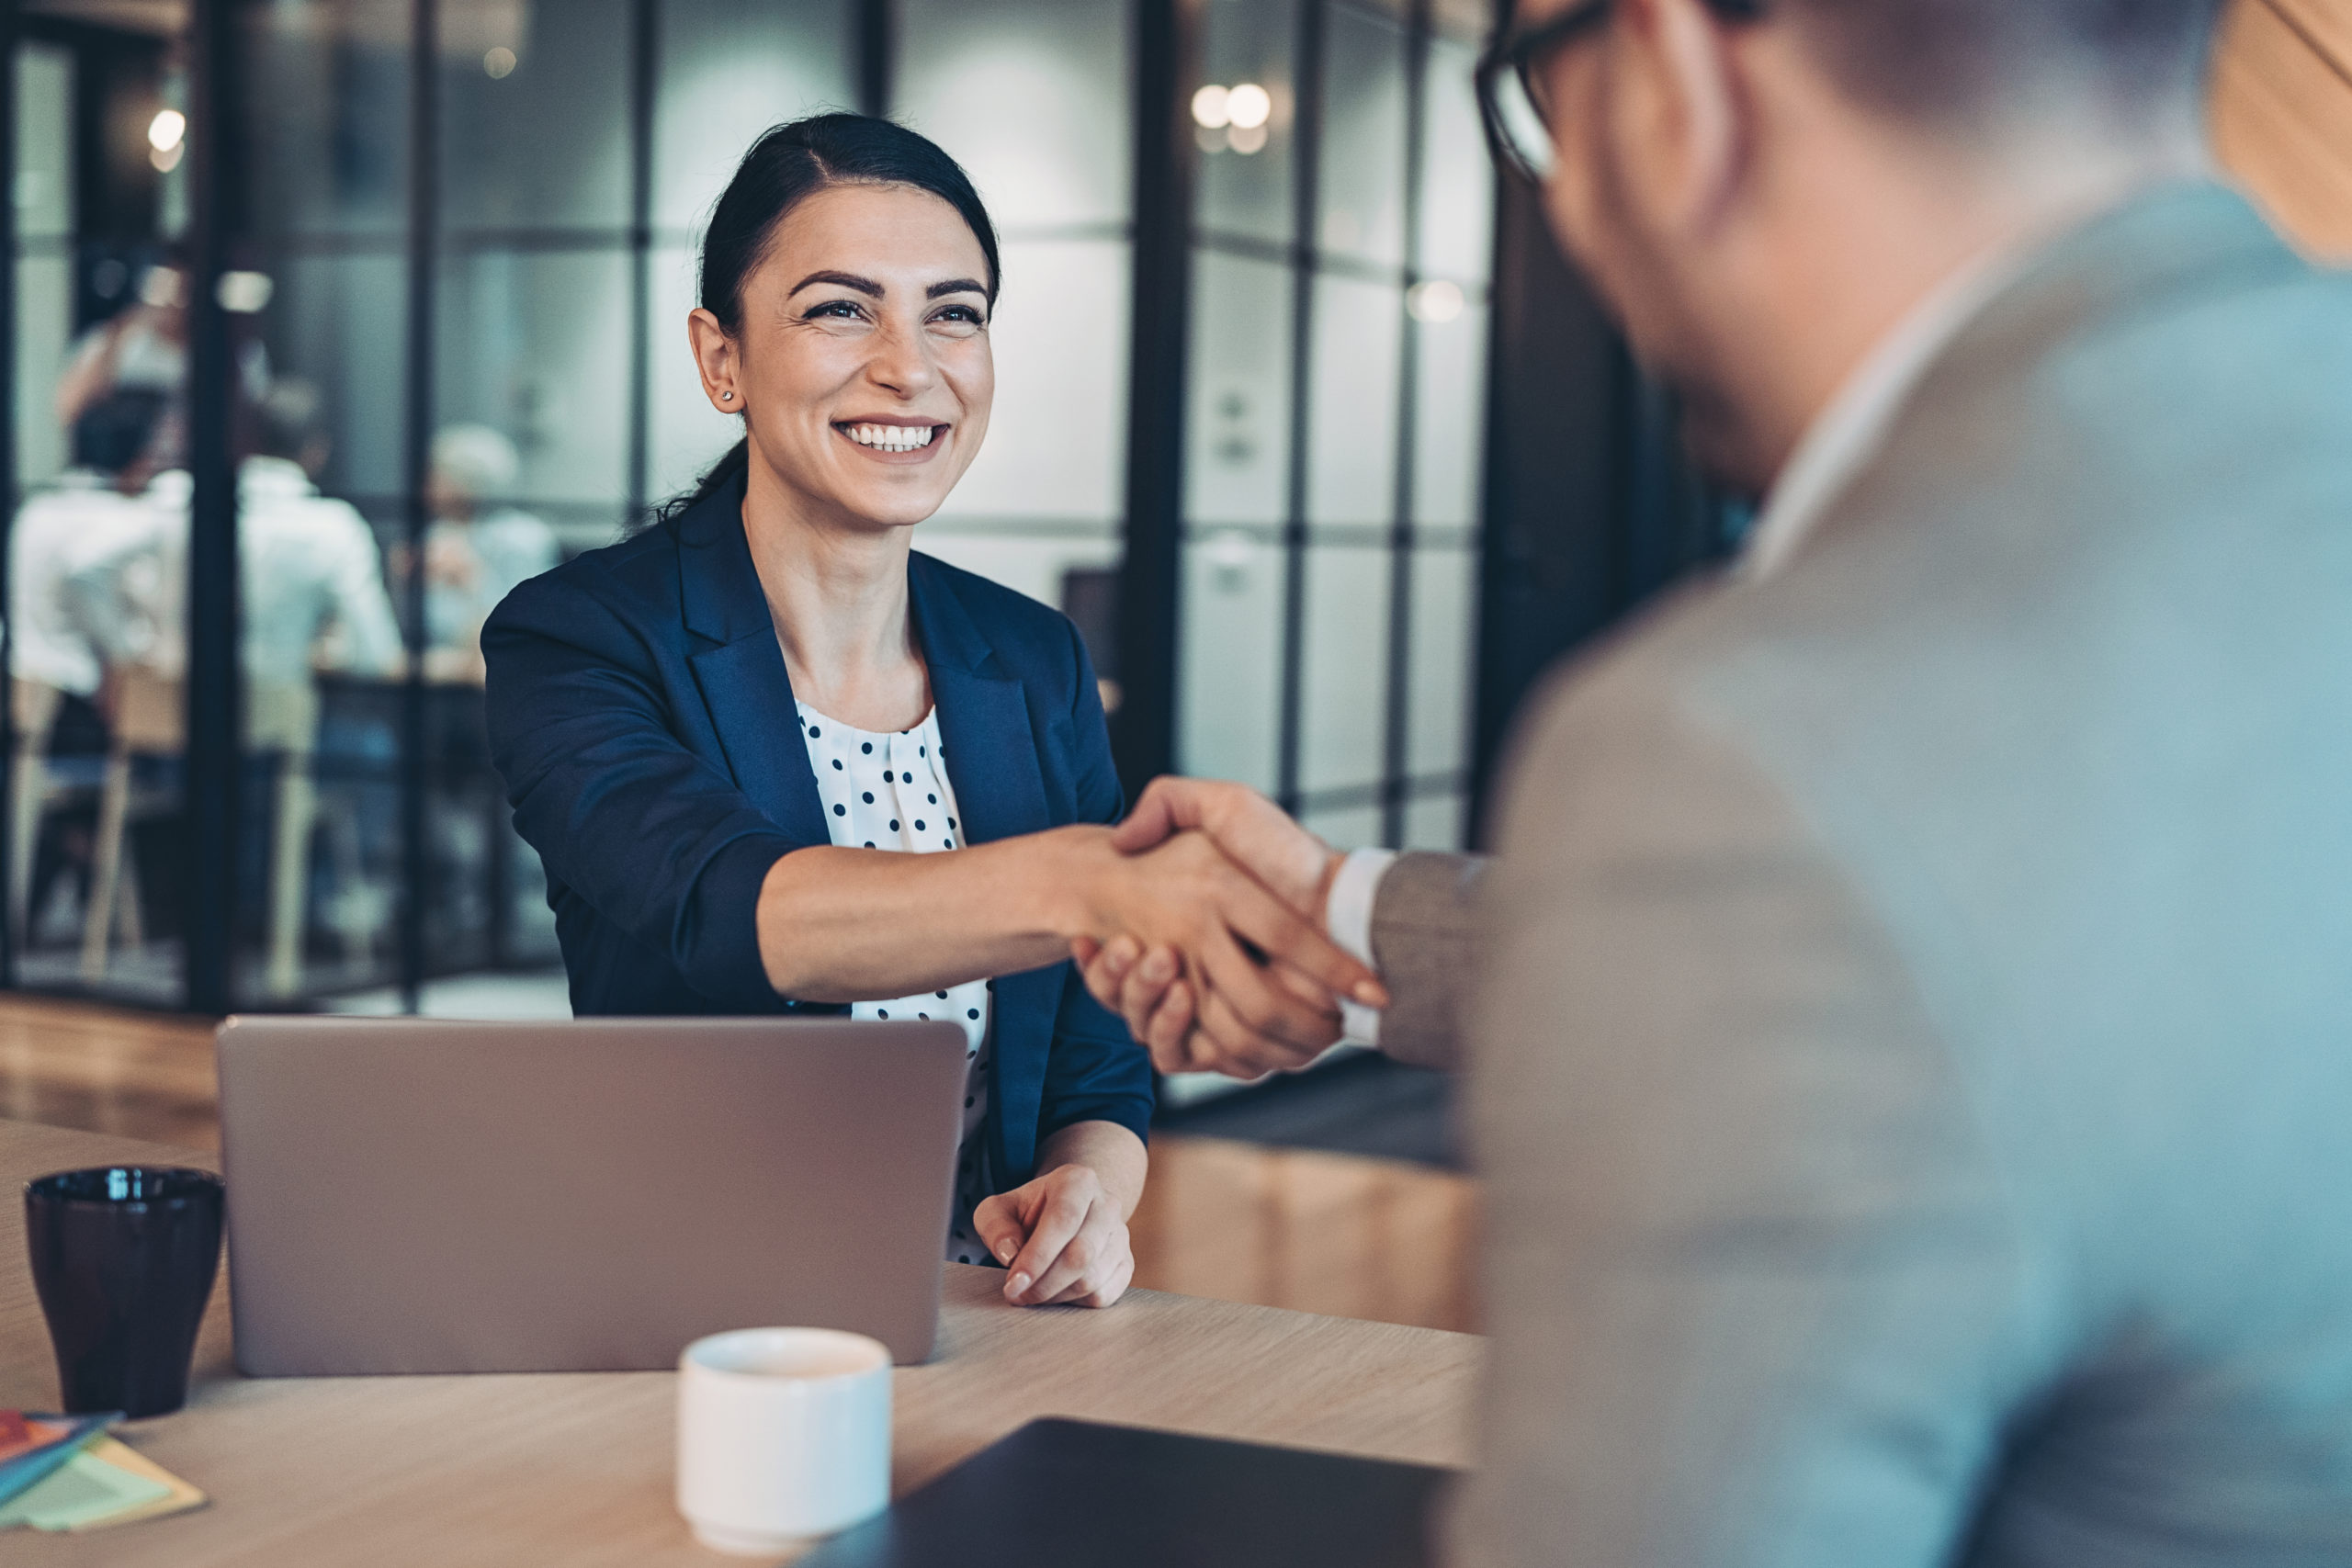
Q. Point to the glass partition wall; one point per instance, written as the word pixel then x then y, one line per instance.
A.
pixel 1342 230
pixel 453 246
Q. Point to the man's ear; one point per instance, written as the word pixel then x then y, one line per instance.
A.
pixel 1698 118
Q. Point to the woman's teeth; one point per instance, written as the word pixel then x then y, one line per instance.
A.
pixel 891 437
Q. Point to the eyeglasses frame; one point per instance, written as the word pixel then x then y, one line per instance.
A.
pixel 1522 53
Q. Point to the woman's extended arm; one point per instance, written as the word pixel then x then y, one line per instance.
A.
pixel 665 846
pixel 839 924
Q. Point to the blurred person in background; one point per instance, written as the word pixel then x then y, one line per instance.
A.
pixel 311 601
pixel 1908 1006
pixel 121 396
pixel 311 576
pixel 58 533
pixel 473 556
pixel 60 652
pixel 124 377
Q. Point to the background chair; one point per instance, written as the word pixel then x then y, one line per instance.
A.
pixel 35 707
pixel 151 720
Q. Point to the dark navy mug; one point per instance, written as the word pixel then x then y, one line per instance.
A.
pixel 123 1257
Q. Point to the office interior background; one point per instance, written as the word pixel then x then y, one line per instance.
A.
pixel 1300 417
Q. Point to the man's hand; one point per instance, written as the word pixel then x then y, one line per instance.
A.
pixel 1166 1004
pixel 1236 942
pixel 1062 1237
pixel 1296 866
pixel 1150 990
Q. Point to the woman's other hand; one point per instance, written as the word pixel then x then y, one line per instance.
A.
pixel 1063 1237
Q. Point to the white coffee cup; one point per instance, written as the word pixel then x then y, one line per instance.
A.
pixel 784 1435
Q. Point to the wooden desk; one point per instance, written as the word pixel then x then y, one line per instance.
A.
pixel 577 1468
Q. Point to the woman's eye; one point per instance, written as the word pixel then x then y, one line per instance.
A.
pixel 962 315
pixel 838 309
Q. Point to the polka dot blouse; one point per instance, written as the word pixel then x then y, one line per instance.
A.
pixel 890 792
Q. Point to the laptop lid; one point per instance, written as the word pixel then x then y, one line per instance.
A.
pixel 429 1195
pixel 1062 1493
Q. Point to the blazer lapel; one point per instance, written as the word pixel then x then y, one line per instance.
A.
pixel 985 736
pixel 991 757
pixel 742 676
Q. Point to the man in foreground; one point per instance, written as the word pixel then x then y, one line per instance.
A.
pixel 1908 1010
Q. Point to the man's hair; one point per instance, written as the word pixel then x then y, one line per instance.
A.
pixel 289 417
pixel 1969 63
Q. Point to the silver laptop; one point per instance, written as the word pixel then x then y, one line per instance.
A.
pixel 423 1196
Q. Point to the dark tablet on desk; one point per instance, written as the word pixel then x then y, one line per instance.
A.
pixel 1074 1494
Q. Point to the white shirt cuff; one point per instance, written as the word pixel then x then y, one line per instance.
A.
pixel 1348 917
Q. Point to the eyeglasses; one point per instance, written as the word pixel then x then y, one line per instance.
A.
pixel 1519 122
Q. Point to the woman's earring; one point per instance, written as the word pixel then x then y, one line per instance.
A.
pixel 726 397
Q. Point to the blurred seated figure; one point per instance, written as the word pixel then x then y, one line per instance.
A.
pixel 120 396
pixel 313 599
pixel 309 572
pixel 124 375
pixel 58 532
pixel 474 557
pixel 57 651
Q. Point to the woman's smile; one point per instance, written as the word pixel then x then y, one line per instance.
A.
pixel 894 441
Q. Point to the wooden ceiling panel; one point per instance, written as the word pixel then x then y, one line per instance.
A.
pixel 2283 116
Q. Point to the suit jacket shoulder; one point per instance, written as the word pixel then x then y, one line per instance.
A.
pixel 1909 1039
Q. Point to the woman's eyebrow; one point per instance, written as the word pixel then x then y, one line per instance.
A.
pixel 953 286
pixel 865 285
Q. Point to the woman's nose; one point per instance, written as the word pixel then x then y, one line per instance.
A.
pixel 901 360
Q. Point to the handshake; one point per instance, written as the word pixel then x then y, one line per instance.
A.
pixel 1210 939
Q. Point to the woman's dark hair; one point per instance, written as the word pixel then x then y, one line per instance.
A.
pixel 786 167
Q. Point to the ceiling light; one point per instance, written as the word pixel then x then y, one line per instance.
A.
pixel 1250 139
pixel 166 159
pixel 1435 301
pixel 163 132
pixel 499 64
pixel 1249 105
pixel 244 293
pixel 160 288
pixel 1210 110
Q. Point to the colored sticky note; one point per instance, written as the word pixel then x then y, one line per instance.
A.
pixel 25 1469
pixel 83 1489
pixel 181 1497
pixel 21 1434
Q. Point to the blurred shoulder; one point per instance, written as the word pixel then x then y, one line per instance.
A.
pixel 343 518
pixel 524 544
pixel 633 579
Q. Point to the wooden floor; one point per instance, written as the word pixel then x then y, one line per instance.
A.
pixel 135 1075
pixel 1322 1232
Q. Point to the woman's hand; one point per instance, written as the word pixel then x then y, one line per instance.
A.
pixel 1185 895
pixel 1063 1236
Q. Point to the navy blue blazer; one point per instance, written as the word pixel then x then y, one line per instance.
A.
pixel 641 718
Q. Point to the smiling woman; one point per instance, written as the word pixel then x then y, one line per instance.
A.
pixel 704 858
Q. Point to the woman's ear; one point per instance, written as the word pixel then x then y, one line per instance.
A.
pixel 716 358
pixel 1690 141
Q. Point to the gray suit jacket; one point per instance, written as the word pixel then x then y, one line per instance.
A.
pixel 1913 1045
